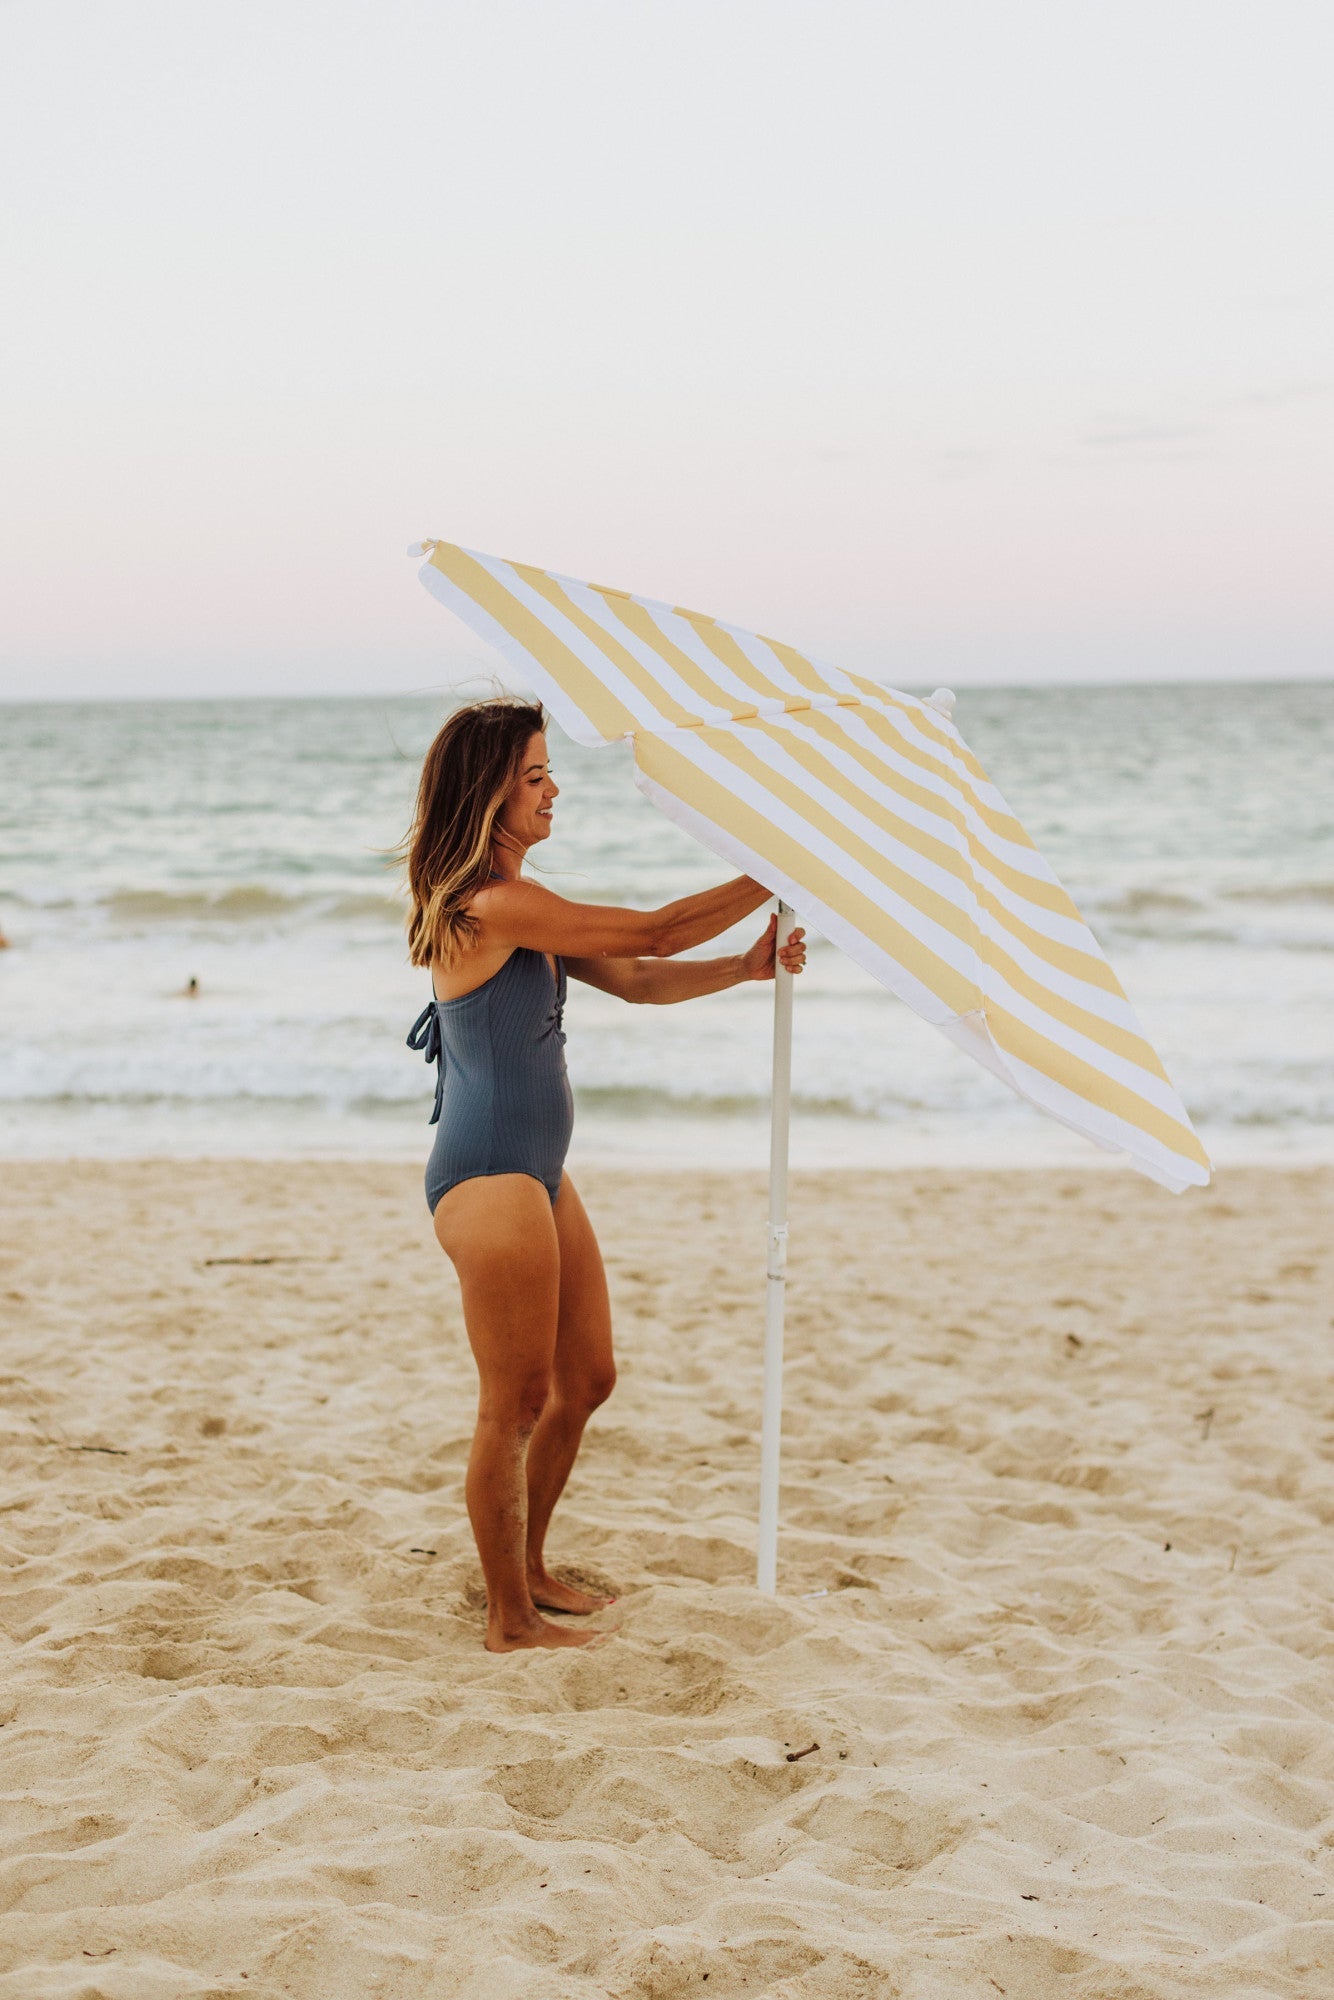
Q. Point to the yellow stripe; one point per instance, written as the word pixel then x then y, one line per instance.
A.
pixel 924 726
pixel 1045 895
pixel 1084 1081
pixel 881 725
pixel 934 734
pixel 759 833
pixel 637 620
pixel 936 908
pixel 725 649
pixel 1079 964
pixel 609 645
pixel 802 669
pixel 607 715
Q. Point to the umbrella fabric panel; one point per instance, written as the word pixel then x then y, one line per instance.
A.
pixel 865 810
pixel 1070 1045
pixel 616 663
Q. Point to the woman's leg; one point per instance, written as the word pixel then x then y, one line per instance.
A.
pixel 583 1374
pixel 500 1235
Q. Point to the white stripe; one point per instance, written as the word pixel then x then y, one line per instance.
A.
pixel 1024 860
pixel 1113 1008
pixel 1072 931
pixel 946 946
pixel 528 675
pixel 597 662
pixel 685 637
pixel 966 958
pixel 655 668
pixel 1060 929
pixel 1119 1069
pixel 1160 1162
pixel 808 907
pixel 1109 1007
pixel 763 658
pixel 1103 1128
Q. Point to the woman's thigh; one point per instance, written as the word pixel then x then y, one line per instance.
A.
pixel 500 1235
pixel 583 1361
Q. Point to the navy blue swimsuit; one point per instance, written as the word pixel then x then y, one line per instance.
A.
pixel 502 1095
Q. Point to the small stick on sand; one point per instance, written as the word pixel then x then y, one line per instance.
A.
pixel 111 1450
pixel 268 1260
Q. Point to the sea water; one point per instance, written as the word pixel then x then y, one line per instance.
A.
pixel 247 845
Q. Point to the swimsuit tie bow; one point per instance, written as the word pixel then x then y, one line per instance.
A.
pixel 558 1020
pixel 424 1034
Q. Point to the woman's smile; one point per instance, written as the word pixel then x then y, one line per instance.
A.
pixel 535 792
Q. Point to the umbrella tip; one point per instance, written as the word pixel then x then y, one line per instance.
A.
pixel 943 700
pixel 420 548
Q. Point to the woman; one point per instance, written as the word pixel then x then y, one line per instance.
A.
pixel 506 1213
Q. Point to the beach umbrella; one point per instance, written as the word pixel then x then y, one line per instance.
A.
pixel 864 811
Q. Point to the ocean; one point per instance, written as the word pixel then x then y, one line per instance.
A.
pixel 247 845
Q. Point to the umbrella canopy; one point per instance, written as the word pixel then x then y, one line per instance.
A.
pixel 862 808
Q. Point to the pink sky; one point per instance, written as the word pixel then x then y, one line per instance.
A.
pixel 962 343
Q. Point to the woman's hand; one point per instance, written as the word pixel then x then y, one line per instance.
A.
pixel 758 962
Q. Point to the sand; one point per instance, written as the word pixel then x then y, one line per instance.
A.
pixel 1059 1449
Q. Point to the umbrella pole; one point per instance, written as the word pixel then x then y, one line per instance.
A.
pixel 771 1430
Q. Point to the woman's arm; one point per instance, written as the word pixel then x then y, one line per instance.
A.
pixel 649 981
pixel 524 913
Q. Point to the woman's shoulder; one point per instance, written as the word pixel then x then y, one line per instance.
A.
pixel 503 905
pixel 507 889
pixel 469 971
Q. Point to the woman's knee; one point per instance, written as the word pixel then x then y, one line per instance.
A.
pixel 590 1388
pixel 599 1389
pixel 515 1403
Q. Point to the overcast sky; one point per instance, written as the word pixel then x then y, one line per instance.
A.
pixel 960 340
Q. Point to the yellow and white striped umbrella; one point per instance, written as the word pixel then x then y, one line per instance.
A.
pixel 866 811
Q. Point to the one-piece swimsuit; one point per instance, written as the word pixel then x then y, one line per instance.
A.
pixel 502 1094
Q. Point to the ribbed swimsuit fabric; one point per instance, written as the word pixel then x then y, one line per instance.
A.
pixel 502 1098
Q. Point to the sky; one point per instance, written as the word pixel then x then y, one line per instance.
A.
pixel 972 341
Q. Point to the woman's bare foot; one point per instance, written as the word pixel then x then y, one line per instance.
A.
pixel 550 1594
pixel 521 1638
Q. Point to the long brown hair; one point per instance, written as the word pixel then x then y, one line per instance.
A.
pixel 470 768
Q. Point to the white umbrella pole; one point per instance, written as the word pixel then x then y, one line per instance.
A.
pixel 767 1569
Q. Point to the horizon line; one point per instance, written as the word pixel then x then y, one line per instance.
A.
pixel 431 690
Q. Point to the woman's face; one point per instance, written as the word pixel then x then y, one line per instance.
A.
pixel 526 813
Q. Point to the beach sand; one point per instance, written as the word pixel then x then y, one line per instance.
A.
pixel 1059 1448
